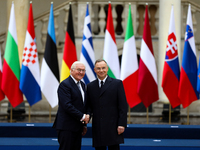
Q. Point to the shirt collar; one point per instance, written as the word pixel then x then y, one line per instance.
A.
pixel 74 79
pixel 104 80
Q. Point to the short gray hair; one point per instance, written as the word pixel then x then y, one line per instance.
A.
pixel 75 63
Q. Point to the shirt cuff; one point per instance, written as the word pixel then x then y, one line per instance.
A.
pixel 82 118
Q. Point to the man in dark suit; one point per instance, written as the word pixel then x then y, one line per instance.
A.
pixel 71 121
pixel 108 107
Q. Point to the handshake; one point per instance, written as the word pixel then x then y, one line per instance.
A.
pixel 87 119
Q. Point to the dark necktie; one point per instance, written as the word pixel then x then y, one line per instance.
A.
pixel 80 88
pixel 101 84
pixel 78 84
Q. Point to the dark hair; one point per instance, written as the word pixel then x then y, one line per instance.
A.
pixel 100 60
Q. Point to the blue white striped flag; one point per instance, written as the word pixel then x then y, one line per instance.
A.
pixel 87 52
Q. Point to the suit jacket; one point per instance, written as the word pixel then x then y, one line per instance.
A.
pixel 71 106
pixel 108 108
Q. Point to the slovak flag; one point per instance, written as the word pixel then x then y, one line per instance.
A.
pixel 188 76
pixel 30 76
pixel 171 70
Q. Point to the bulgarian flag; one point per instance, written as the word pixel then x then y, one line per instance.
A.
pixel 11 66
pixel 69 54
pixel 110 54
pixel 129 65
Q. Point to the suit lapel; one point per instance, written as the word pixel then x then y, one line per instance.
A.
pixel 74 85
pixel 106 85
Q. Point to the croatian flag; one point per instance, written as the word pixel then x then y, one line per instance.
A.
pixel 87 53
pixel 171 70
pixel 30 75
pixel 188 76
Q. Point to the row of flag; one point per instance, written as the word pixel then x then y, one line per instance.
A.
pixel 28 81
pixel 181 87
pixel 140 81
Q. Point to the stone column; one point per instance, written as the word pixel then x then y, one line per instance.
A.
pixel 21 18
pixel 164 18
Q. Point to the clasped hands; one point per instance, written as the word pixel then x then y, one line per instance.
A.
pixel 86 119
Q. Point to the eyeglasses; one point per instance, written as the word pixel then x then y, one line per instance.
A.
pixel 80 70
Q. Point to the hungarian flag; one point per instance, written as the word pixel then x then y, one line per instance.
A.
pixel 171 70
pixel 11 66
pixel 129 65
pixel 110 54
pixel 147 78
pixel 30 72
pixel 69 53
pixel 2 95
pixel 49 69
pixel 188 76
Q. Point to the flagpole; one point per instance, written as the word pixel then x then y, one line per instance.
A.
pixel 188 109
pixel 29 114
pixel 49 113
pixel 129 115
pixel 11 113
pixel 170 113
pixel 147 115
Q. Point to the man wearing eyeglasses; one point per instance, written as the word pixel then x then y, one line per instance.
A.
pixel 71 119
pixel 107 105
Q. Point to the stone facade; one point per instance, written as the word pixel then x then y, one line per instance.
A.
pixel 98 11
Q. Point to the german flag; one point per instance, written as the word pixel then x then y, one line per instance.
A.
pixel 69 54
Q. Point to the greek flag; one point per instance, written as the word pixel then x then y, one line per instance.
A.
pixel 87 52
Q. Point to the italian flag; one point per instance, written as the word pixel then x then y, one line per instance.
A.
pixel 110 54
pixel 129 65
pixel 11 65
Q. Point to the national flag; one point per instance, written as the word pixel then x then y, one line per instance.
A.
pixel 188 76
pixel 147 76
pixel 110 54
pixel 30 71
pixel 87 52
pixel 49 69
pixel 171 70
pixel 2 95
pixel 129 65
pixel 198 77
pixel 11 65
pixel 69 53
